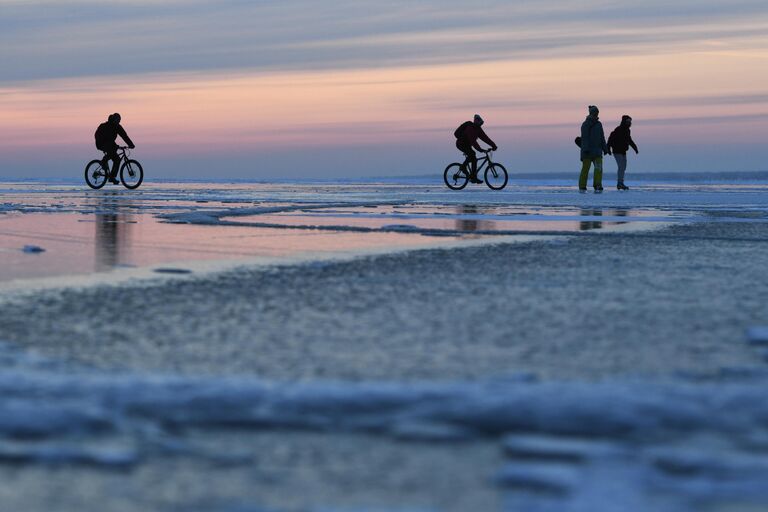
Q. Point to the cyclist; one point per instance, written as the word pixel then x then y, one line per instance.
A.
pixel 466 139
pixel 105 136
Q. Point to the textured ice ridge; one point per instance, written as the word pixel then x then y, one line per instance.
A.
pixel 49 404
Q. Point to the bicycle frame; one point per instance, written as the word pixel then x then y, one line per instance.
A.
pixel 481 162
pixel 122 151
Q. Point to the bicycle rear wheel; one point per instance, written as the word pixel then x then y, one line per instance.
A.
pixel 496 177
pixel 95 174
pixel 131 174
pixel 455 178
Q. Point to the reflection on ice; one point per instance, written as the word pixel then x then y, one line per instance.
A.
pixel 113 234
pixel 451 220
pixel 85 231
pixel 81 244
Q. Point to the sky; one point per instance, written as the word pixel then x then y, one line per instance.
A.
pixel 357 88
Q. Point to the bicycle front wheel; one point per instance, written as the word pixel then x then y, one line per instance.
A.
pixel 455 177
pixel 95 174
pixel 131 174
pixel 496 177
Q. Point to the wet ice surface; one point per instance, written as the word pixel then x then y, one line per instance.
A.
pixel 71 231
pixel 614 362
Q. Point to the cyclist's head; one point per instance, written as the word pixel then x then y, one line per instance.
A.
pixel 114 118
pixel 625 119
pixel 478 120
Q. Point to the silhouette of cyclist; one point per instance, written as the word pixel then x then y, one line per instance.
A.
pixel 466 139
pixel 105 135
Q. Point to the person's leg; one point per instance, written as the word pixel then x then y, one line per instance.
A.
pixel 597 178
pixel 621 162
pixel 472 156
pixel 468 153
pixel 466 162
pixel 105 159
pixel 471 159
pixel 112 155
pixel 586 163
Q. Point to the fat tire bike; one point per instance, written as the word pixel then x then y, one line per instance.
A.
pixel 131 172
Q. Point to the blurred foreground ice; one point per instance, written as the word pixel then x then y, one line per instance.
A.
pixel 666 445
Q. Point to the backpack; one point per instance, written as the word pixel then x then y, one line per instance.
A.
pixel 459 132
pixel 102 134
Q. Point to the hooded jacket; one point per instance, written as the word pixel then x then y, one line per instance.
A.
pixel 593 143
pixel 107 133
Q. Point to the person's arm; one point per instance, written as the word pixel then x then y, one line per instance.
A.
pixel 612 140
pixel 633 145
pixel 125 137
pixel 606 149
pixel 485 138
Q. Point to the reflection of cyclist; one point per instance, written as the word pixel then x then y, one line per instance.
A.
pixel 105 135
pixel 466 139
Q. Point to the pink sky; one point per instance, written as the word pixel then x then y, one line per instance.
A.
pixel 687 94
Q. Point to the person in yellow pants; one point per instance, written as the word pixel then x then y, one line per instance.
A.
pixel 597 176
pixel 593 147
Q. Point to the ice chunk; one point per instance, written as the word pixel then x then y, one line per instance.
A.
pixel 758 335
pixel 171 270
pixel 408 228
pixel 63 454
pixel 550 478
pixel 431 432
pixel 552 448
pixel 32 249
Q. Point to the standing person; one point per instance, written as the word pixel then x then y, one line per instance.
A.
pixel 619 142
pixel 466 139
pixel 593 147
pixel 105 136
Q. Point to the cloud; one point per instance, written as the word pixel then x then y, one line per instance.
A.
pixel 40 40
pixel 505 102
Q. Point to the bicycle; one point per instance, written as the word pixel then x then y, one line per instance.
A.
pixel 131 172
pixel 456 175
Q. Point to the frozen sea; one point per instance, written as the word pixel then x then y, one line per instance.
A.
pixel 386 345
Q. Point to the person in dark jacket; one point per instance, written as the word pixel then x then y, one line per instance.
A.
pixel 593 147
pixel 466 139
pixel 619 142
pixel 106 135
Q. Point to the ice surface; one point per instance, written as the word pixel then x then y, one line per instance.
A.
pixel 670 443
pixel 675 435
pixel 534 477
pixel 757 335
pixel 86 231
pixel 530 447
